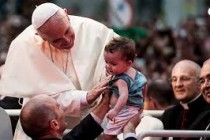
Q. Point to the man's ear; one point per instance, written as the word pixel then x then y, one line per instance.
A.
pixel 37 33
pixel 44 39
pixel 54 124
pixel 130 62
pixel 66 11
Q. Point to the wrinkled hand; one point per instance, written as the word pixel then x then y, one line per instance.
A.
pixel 95 92
pixel 112 114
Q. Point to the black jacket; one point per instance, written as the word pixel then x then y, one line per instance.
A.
pixel 176 118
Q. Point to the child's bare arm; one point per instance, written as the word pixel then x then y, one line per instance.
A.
pixel 121 101
pixel 123 92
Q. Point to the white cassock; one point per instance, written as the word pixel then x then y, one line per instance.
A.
pixel 34 67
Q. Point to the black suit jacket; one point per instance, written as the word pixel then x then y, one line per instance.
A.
pixel 176 118
pixel 202 122
pixel 131 138
pixel 87 129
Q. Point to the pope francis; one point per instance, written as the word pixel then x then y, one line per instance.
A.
pixel 59 55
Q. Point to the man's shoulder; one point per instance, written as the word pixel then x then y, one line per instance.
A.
pixel 28 32
pixel 170 116
pixel 173 110
pixel 78 20
pixel 28 37
pixel 29 29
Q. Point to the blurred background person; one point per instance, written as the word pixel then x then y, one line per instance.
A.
pixel 159 95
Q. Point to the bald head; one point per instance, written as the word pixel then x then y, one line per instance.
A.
pixel 36 114
pixel 206 62
pixel 190 66
pixel 184 80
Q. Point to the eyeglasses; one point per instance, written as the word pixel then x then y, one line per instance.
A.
pixel 202 80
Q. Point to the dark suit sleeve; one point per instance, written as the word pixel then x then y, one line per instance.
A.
pixel 87 129
pixel 131 138
pixel 201 122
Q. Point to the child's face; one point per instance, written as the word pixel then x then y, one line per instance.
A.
pixel 115 64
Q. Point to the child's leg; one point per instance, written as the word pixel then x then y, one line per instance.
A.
pixel 109 137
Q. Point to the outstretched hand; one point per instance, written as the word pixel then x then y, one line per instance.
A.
pixel 95 92
pixel 102 108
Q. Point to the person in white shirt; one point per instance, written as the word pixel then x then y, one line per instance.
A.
pixel 59 55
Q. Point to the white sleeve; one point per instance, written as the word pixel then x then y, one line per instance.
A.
pixel 72 101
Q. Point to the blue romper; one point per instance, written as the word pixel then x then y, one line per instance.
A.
pixel 135 86
pixel 133 105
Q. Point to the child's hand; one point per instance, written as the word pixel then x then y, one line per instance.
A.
pixel 112 114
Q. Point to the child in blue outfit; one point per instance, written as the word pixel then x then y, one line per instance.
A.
pixel 127 85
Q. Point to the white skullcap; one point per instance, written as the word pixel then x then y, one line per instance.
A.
pixel 42 13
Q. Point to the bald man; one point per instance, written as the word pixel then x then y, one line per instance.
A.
pixel 42 118
pixel 184 80
pixel 59 55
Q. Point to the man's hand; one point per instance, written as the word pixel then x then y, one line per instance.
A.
pixel 95 92
pixel 103 107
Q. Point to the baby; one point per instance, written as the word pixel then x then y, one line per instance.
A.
pixel 127 85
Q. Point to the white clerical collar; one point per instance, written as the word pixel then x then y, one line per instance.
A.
pixel 186 105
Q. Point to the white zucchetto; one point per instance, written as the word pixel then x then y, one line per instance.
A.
pixel 42 13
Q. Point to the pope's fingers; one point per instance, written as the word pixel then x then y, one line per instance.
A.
pixel 101 89
pixel 102 84
pixel 108 77
pixel 107 91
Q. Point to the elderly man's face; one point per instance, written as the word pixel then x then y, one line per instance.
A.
pixel 184 83
pixel 58 31
pixel 205 81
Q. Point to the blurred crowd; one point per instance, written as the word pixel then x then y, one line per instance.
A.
pixel 159 47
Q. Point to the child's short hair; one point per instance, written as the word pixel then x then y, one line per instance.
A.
pixel 124 45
